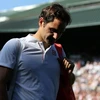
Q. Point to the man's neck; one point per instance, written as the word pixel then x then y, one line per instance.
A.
pixel 39 38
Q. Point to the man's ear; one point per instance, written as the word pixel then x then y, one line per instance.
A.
pixel 41 21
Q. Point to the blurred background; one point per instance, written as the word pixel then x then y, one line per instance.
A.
pixel 81 40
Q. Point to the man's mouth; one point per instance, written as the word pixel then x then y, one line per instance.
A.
pixel 51 40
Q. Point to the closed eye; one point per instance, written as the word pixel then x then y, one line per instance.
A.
pixel 52 30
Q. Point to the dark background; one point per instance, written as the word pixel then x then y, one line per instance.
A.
pixel 84 40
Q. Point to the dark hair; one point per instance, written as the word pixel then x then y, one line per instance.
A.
pixel 55 11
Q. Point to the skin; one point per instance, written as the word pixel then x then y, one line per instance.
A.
pixel 50 32
pixel 5 75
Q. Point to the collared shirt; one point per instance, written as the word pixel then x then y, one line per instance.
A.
pixel 38 69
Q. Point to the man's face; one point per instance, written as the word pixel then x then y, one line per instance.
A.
pixel 52 31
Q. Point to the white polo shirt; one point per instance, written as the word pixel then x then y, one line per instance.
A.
pixel 38 69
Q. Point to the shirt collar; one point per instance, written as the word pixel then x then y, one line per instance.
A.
pixel 31 38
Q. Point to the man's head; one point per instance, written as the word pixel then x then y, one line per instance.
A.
pixel 52 22
pixel 57 11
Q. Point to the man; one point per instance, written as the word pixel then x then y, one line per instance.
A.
pixel 38 71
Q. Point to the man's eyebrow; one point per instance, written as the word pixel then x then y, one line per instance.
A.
pixel 55 30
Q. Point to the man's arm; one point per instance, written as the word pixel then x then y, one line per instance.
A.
pixel 5 75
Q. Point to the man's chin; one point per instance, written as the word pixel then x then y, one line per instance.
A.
pixel 51 43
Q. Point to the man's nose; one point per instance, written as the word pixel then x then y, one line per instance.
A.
pixel 55 35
